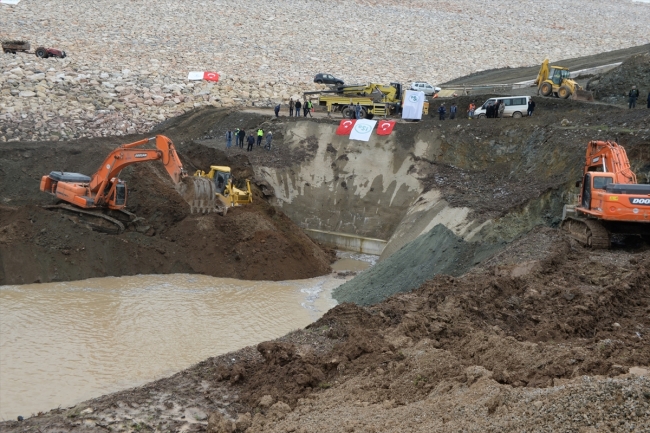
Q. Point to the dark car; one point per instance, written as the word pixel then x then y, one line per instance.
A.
pixel 327 79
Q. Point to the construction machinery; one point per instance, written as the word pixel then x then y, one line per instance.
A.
pixel 556 80
pixel 104 195
pixel 610 199
pixel 222 186
pixel 12 47
pixel 374 99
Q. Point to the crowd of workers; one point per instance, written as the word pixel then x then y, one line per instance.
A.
pixel 239 135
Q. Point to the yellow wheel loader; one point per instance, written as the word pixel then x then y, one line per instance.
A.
pixel 222 188
pixel 556 81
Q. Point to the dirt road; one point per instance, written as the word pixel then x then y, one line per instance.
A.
pixel 515 75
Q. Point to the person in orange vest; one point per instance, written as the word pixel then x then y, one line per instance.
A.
pixel 471 109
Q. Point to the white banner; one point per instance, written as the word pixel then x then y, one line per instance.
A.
pixel 413 105
pixel 10 2
pixel 362 129
pixel 195 75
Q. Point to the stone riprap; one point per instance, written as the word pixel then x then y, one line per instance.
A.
pixel 128 61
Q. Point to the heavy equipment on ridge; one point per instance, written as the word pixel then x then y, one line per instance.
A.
pixel 374 99
pixel 104 196
pixel 610 199
pixel 556 80
pixel 221 179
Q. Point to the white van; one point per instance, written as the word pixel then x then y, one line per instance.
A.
pixel 515 106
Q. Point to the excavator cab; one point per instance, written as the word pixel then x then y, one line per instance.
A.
pixel 120 194
pixel 594 182
pixel 557 76
pixel 222 181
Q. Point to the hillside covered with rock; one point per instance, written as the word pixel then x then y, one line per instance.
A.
pixel 128 62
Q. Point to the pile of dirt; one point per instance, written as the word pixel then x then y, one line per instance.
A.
pixel 613 86
pixel 253 242
pixel 439 251
pixel 508 344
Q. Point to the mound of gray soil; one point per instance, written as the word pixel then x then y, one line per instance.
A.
pixel 439 251
pixel 613 86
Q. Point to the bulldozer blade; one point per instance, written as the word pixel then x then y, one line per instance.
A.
pixel 582 95
pixel 200 194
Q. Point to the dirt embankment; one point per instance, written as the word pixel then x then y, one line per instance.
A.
pixel 39 245
pixel 516 173
pixel 614 86
pixel 515 75
pixel 503 348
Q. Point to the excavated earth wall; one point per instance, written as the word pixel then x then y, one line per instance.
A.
pixel 478 183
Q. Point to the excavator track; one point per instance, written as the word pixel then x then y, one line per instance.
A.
pixel 116 226
pixel 588 232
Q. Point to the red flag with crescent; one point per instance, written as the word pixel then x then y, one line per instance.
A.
pixel 345 127
pixel 385 127
pixel 211 76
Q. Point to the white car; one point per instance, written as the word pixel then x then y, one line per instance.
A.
pixel 427 88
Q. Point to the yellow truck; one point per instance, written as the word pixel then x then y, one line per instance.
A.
pixel 374 99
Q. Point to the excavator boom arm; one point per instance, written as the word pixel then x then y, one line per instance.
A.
pixel 542 75
pixel 609 157
pixel 127 154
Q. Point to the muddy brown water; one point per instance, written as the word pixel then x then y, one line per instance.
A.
pixel 62 343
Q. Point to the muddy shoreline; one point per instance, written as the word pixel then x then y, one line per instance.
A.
pixel 529 323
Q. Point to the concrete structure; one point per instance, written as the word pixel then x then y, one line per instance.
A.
pixel 346 242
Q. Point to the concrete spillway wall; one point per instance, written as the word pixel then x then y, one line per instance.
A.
pixel 347 186
pixel 365 189
pixel 373 189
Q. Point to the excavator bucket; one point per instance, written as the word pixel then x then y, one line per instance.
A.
pixel 582 95
pixel 201 194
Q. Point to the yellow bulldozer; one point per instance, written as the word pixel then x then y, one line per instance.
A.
pixel 222 187
pixel 556 81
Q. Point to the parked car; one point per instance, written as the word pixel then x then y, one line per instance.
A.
pixel 514 106
pixel 427 88
pixel 327 79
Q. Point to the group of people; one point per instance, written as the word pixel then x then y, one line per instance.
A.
pixel 306 106
pixel 495 110
pixel 633 95
pixel 442 111
pixel 240 135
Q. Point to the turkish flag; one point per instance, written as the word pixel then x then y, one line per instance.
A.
pixel 385 127
pixel 345 127
pixel 211 76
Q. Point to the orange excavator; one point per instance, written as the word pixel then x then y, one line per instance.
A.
pixel 103 195
pixel 610 199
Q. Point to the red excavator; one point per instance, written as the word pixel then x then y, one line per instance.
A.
pixel 610 199
pixel 103 195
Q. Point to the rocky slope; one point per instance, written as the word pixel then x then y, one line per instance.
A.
pixel 127 63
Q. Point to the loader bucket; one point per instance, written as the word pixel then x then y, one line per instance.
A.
pixel 200 193
pixel 582 95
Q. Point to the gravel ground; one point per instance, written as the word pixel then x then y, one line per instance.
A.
pixel 127 62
